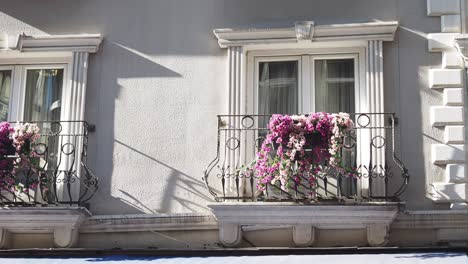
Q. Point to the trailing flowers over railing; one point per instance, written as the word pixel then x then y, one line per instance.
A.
pixel 298 145
pixel 308 158
pixel 45 163
pixel 17 155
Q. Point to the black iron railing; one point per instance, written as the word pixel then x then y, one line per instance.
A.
pixel 368 150
pixel 54 170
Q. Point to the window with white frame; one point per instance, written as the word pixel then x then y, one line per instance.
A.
pixel 31 92
pixel 306 83
pixel 307 68
pixel 309 82
pixel 44 78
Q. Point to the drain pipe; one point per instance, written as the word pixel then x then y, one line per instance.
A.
pixel 461 45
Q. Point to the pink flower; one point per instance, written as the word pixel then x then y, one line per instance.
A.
pixel 296 152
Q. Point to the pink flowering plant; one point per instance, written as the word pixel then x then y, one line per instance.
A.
pixel 297 146
pixel 17 156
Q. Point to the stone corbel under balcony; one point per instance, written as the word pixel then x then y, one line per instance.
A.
pixel 63 223
pixel 304 219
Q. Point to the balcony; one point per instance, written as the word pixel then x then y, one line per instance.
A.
pixel 362 192
pixel 45 181
pixel 57 172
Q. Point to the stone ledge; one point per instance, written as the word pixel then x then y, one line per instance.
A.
pixel 62 222
pixel 438 42
pixel 454 134
pixel 442 7
pixel 443 78
pixel 453 97
pixel 304 219
pixel 148 222
pixel 448 192
pixel 446 115
pixel 450 23
pixel 432 219
pixel 451 59
pixel 455 173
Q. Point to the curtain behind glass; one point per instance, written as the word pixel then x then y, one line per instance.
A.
pixel 5 90
pixel 43 103
pixel 334 93
pixel 277 89
pixel 43 94
pixel 334 85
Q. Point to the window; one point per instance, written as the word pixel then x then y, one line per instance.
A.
pixel 44 78
pixel 304 83
pixel 5 91
pixel 308 83
pixel 31 92
pixel 306 67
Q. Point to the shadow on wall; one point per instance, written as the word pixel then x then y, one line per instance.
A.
pixel 104 90
pixel 133 35
pixel 177 179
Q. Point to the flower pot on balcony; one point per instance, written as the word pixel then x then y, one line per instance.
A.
pixel 313 140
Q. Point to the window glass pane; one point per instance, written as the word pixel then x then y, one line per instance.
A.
pixel 278 87
pixel 5 90
pixel 43 94
pixel 334 93
pixel 334 85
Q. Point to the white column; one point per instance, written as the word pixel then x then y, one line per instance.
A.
pixel 236 105
pixel 74 97
pixel 375 95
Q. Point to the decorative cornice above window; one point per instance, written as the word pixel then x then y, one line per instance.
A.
pixel 304 30
pixel 53 43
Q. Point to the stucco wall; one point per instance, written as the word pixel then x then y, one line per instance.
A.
pixel 160 78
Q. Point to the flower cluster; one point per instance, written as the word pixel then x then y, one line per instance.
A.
pixel 296 145
pixel 6 147
pixel 16 153
pixel 23 135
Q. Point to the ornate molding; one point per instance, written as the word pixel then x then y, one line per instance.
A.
pixel 377 235
pixel 303 235
pixel 65 237
pixel 384 31
pixel 461 45
pixel 432 220
pixel 230 235
pixel 448 41
pixel 4 238
pixel 148 222
pixel 304 30
pixel 72 43
pixel 63 223
pixel 304 219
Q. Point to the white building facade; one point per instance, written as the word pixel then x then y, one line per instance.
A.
pixel 150 110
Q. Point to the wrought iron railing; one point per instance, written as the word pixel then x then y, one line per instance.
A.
pixel 56 171
pixel 369 149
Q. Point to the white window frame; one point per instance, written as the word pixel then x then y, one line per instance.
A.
pixel 306 89
pixel 19 66
pixel 72 52
pixel 18 88
pixel 255 67
pixel 12 84
pixel 304 37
